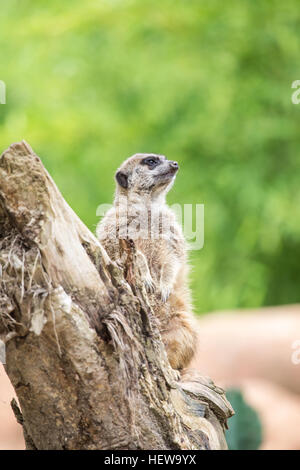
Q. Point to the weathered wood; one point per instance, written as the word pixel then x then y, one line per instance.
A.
pixel 84 353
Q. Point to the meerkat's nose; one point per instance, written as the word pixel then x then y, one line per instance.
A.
pixel 174 165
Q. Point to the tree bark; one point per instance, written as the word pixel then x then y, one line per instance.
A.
pixel 83 349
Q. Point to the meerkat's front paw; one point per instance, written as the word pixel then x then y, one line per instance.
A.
pixel 165 292
pixel 148 282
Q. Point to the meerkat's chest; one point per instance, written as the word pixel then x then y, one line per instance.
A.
pixel 164 243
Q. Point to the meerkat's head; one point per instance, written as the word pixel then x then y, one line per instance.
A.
pixel 146 174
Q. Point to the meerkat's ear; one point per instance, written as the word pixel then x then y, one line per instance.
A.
pixel 122 179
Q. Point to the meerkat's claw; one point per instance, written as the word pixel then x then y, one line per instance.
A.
pixel 177 375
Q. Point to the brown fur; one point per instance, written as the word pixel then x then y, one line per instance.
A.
pixel 161 256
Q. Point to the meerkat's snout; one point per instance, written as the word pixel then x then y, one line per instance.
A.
pixel 174 166
pixel 167 170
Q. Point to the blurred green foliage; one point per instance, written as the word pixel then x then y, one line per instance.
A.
pixel 245 429
pixel 205 83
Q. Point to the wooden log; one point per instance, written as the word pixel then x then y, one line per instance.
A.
pixel 83 349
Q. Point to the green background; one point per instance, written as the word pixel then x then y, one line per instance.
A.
pixel 205 83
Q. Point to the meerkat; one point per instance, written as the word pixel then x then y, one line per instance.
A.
pixel 140 213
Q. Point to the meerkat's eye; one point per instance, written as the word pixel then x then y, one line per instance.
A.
pixel 151 162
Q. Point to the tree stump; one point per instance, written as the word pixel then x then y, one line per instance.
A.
pixel 83 349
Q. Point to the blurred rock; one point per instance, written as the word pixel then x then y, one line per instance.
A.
pixel 251 343
pixel 11 435
pixel 279 411
pixel 253 350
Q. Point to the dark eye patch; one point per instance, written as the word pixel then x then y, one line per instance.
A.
pixel 151 162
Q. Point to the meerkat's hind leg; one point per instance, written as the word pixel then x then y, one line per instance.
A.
pixel 145 272
pixel 181 341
